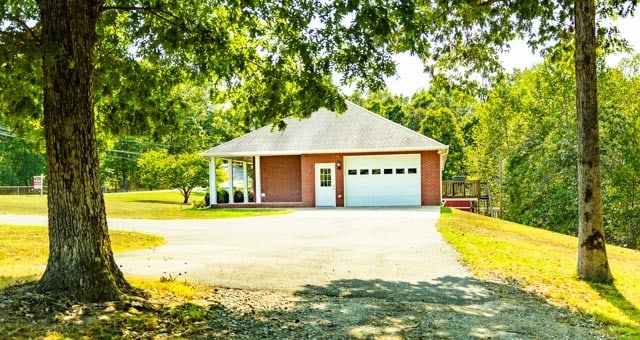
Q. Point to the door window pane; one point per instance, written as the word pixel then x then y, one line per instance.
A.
pixel 325 177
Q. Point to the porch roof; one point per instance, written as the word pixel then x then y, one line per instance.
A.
pixel 355 130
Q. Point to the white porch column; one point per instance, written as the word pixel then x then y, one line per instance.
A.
pixel 230 175
pixel 443 158
pixel 245 182
pixel 258 189
pixel 213 189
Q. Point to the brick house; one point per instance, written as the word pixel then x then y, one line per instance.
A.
pixel 356 158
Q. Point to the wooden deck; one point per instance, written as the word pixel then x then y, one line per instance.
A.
pixel 465 190
pixel 472 196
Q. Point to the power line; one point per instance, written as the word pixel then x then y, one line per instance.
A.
pixel 125 158
pixel 124 151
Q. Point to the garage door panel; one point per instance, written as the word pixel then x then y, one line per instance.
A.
pixel 389 180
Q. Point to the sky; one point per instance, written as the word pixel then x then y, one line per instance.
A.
pixel 411 78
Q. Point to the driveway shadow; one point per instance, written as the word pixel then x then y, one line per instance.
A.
pixel 444 290
pixel 450 307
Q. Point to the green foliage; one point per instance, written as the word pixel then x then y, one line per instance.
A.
pixel 20 160
pixel 119 168
pixel 444 112
pixel 527 127
pixel 187 172
pixel 383 103
pixel 528 124
pixel 158 169
pixel 620 131
pixel 154 167
pixel 441 124
pixel 222 196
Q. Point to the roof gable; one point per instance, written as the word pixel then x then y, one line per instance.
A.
pixel 355 130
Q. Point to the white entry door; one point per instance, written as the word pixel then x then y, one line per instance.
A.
pixel 325 185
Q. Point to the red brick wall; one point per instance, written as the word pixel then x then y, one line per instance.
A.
pixel 430 167
pixel 309 178
pixel 280 178
pixel 292 178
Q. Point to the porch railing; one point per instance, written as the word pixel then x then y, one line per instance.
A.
pixel 465 189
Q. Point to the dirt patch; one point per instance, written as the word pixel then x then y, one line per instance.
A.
pixel 343 309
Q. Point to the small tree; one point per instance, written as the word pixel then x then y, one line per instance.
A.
pixel 188 171
pixel 159 169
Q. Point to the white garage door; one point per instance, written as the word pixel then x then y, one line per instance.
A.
pixel 389 180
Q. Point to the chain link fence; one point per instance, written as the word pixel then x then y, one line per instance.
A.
pixel 21 190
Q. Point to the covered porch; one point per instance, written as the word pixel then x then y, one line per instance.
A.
pixel 243 181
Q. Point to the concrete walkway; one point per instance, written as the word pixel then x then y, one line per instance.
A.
pixel 290 252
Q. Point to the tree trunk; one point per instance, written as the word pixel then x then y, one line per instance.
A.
pixel 186 193
pixel 592 254
pixel 81 263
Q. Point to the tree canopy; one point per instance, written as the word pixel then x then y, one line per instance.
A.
pixel 122 66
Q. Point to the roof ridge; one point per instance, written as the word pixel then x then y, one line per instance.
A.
pixel 354 129
pixel 395 123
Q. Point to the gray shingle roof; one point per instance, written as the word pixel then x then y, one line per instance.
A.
pixel 355 130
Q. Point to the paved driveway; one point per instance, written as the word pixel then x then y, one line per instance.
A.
pixel 289 252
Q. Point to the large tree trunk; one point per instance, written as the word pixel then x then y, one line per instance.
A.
pixel 81 263
pixel 592 254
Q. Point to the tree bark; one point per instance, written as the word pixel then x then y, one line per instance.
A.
pixel 81 263
pixel 592 254
pixel 186 193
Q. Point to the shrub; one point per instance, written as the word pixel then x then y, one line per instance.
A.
pixel 222 196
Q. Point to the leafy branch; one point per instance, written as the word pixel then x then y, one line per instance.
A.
pixel 159 13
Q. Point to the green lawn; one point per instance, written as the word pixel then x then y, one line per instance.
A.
pixel 141 205
pixel 24 250
pixel 544 262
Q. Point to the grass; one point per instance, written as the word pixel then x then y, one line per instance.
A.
pixel 23 255
pixel 544 262
pixel 24 250
pixel 158 205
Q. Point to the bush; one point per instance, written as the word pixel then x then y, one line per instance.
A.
pixel 222 196
pixel 200 204
pixel 238 196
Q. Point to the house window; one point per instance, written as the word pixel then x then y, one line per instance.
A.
pixel 325 177
pixel 388 171
pixel 399 171
pixel 364 171
pixel 375 171
pixel 412 171
pixel 352 172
